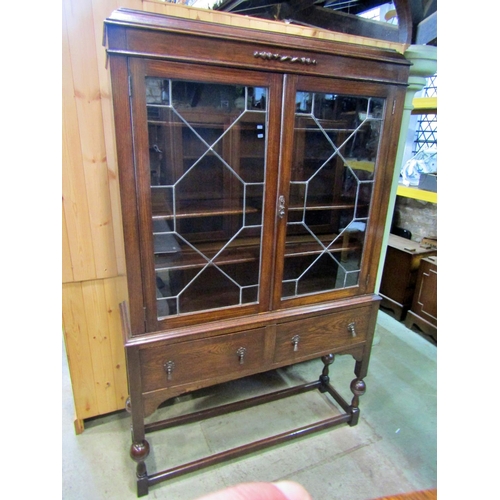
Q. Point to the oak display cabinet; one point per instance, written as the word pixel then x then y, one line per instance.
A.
pixel 255 170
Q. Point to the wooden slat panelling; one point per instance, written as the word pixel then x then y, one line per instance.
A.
pixel 83 61
pixel 75 206
pixel 67 268
pixel 99 344
pixel 100 11
pixel 96 358
pixel 115 292
pixel 76 338
pixel 94 280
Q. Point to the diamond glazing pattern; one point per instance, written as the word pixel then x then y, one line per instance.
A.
pixel 200 185
pixel 327 225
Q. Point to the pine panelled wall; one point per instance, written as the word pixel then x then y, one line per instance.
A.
pixel 93 257
pixel 94 274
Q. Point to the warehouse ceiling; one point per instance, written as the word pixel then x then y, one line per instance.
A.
pixel 403 21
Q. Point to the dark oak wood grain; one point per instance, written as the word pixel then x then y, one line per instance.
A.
pixel 215 339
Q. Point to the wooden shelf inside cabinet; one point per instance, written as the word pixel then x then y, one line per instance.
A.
pixel 247 251
pixel 242 251
pixel 299 246
pixel 200 209
pixel 195 117
pixel 368 166
pixel 320 206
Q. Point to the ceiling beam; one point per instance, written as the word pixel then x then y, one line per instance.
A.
pixel 310 13
pixel 345 23
pixel 405 22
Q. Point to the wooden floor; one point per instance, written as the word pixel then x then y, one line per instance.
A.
pixel 414 495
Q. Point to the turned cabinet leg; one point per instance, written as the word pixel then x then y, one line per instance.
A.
pixel 324 377
pixel 142 480
pixel 358 388
pixel 139 453
pixel 139 450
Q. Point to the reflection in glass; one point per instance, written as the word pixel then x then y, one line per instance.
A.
pixel 207 155
pixel 336 141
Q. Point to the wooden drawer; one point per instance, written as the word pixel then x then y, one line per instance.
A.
pixel 201 359
pixel 320 334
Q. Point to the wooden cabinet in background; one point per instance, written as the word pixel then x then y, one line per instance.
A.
pixel 399 276
pixel 423 312
pixel 254 177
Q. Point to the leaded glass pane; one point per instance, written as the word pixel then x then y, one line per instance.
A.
pixel 336 141
pixel 207 152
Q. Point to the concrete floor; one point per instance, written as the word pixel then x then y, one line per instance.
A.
pixel 392 450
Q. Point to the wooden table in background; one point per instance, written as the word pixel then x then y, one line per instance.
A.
pixel 399 277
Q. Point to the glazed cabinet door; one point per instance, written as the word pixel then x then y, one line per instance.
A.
pixel 334 168
pixel 206 155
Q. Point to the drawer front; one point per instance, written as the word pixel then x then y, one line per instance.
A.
pixel 321 334
pixel 184 362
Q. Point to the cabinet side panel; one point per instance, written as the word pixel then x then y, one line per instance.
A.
pixel 395 102
pixel 125 156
